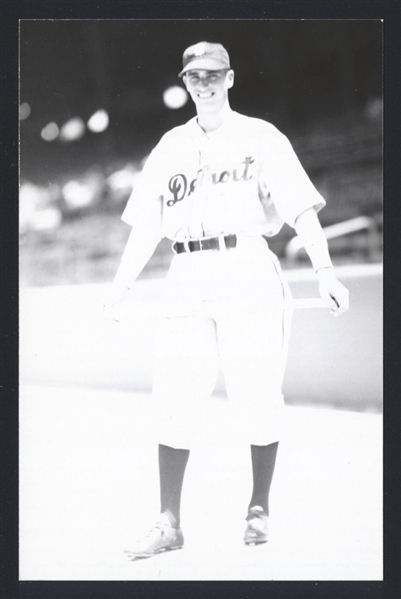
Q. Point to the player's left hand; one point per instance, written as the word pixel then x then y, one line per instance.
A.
pixel 334 293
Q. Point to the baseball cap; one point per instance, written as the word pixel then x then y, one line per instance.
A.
pixel 205 55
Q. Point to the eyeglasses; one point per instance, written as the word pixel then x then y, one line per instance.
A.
pixel 209 77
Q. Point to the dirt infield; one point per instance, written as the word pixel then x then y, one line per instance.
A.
pixel 89 487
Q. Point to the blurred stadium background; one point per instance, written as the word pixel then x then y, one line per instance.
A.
pixel 95 97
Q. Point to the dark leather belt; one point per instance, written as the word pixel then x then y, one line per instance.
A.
pixel 209 243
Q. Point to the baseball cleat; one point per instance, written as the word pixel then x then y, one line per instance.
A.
pixel 162 537
pixel 257 530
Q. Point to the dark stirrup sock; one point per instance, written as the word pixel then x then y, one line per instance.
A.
pixel 263 462
pixel 172 464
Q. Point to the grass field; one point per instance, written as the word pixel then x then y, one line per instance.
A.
pixel 331 362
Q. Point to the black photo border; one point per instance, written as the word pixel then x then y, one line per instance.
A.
pixel 11 12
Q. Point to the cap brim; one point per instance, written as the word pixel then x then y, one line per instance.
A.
pixel 207 64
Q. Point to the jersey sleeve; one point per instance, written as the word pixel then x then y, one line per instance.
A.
pixel 144 205
pixel 283 176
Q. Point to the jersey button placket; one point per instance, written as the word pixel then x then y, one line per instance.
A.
pixel 198 200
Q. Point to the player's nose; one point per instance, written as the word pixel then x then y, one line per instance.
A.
pixel 203 83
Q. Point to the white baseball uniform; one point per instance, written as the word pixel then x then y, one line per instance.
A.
pixel 222 307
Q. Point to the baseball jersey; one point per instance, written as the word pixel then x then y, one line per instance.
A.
pixel 243 178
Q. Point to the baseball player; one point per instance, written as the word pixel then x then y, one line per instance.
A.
pixel 217 186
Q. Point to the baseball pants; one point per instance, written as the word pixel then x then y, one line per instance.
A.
pixel 222 309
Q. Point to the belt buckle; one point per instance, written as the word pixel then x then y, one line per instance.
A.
pixel 186 245
pixel 222 242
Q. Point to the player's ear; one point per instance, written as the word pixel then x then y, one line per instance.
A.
pixel 230 79
pixel 184 79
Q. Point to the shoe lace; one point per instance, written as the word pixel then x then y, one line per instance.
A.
pixel 257 513
pixel 159 527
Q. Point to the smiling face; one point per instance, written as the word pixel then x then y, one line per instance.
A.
pixel 209 89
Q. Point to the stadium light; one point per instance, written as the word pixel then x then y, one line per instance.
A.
pixel 72 130
pixel 99 121
pixel 77 195
pixel 46 220
pixel 175 97
pixel 24 111
pixel 50 132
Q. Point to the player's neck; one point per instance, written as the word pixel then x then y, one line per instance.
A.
pixel 211 121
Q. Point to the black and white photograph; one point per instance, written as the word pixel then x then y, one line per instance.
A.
pixel 201 299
